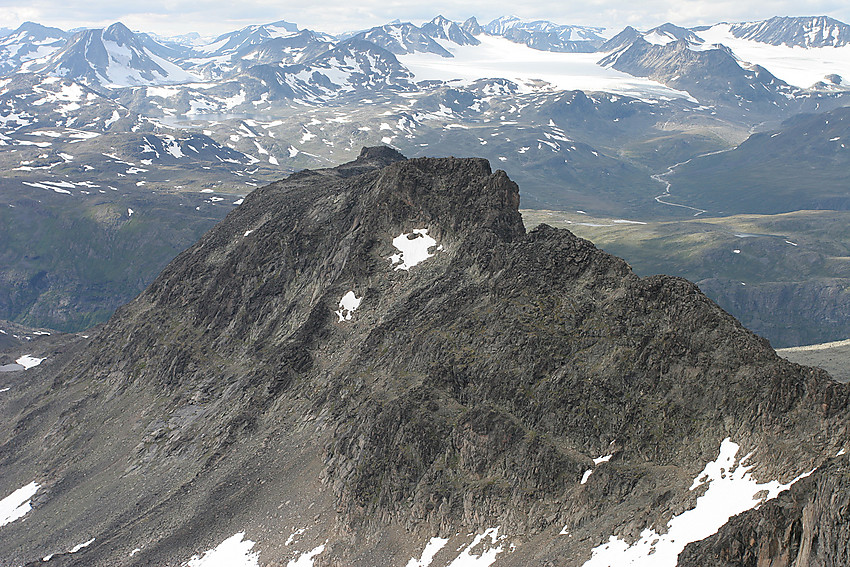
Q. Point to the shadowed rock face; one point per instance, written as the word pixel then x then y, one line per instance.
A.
pixel 470 391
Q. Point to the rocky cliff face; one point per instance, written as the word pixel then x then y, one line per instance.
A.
pixel 362 358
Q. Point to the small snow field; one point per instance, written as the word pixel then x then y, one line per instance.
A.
pixel 235 551
pixel 28 361
pixel 306 559
pixel 17 504
pixel 413 249
pixel 431 549
pixel 347 305
pixel 477 553
pixel 80 546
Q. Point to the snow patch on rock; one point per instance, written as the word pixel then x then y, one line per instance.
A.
pixel 17 504
pixel 731 490
pixel 347 305
pixel 413 248
pixel 28 361
pixel 235 551
pixel 431 549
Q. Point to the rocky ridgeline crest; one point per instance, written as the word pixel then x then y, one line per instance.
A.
pixel 282 375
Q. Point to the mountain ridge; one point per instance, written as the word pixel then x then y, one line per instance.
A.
pixel 465 390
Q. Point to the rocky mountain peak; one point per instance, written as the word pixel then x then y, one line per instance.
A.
pixel 378 354
pixel 119 33
pixel 472 27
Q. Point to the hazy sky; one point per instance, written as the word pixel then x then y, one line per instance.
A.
pixel 214 17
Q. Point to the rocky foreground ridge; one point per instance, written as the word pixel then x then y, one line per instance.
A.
pixel 376 365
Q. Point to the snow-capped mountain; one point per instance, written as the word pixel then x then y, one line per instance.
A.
pixel 275 43
pixel 401 39
pixel 442 28
pixel 113 57
pixel 818 31
pixel 665 33
pixel 191 39
pixel 240 40
pixel 30 41
pixel 352 66
pixel 290 50
pixel 547 36
pixel 471 26
pixel 493 396
pixel 712 74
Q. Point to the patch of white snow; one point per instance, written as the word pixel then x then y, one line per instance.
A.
pixel 731 490
pixel 347 305
pixel 413 248
pixel 28 361
pixel 17 504
pixel 235 551
pixel 306 559
pixel 80 546
pixel 434 546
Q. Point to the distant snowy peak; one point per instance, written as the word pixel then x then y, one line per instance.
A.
pixel 622 40
pixel 240 40
pixel 665 33
pixel 817 31
pixel 402 38
pixel 112 57
pixel 191 39
pixel 472 27
pixel 442 28
pixel 501 26
pixel 710 73
pixel 547 36
pixel 290 49
pixel 353 66
pixel 30 41
pixel 661 35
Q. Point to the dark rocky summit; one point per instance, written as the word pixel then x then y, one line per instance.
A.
pixel 470 392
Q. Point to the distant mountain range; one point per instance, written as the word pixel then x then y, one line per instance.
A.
pixel 820 31
pixel 583 119
pixel 116 57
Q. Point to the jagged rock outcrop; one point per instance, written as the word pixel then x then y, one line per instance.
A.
pixel 305 373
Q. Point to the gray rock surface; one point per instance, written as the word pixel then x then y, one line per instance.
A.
pixel 471 391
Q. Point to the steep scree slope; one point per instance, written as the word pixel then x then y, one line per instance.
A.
pixel 247 392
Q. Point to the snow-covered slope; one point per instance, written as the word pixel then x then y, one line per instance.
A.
pixel 113 57
pixel 352 66
pixel 402 38
pixel 817 31
pixel 500 26
pixel 547 36
pixel 233 42
pixel 30 41
pixel 665 33
pixel 498 57
pixel 442 28
pixel 797 65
